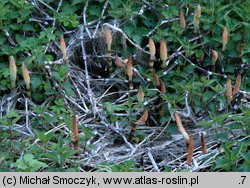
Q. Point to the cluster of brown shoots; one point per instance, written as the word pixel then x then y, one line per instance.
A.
pixel 196 23
pixel 230 92
pixel 189 139
pixel 13 76
pixel 75 130
pixel 224 38
pixel 163 53
pixel 215 55
pixel 128 65
pixel 158 82
pixel 163 49
pixel 129 70
pixel 163 57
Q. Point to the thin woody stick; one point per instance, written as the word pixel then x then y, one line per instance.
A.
pixel 90 93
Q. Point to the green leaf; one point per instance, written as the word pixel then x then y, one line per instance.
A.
pixel 42 136
pixel 129 29
pixel 236 153
pixel 28 27
pixel 50 119
pixel 95 10
pixel 28 163
pixel 223 136
pixel 51 36
pixel 27 157
pixel 52 156
pixel 205 123
pixel 68 89
pixel 20 165
pixel 58 76
pixel 171 12
pixel 246 156
pixel 115 3
pixel 36 81
pixel 236 125
pixel 137 39
pixel 223 163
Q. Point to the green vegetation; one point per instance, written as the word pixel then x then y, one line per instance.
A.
pixel 123 90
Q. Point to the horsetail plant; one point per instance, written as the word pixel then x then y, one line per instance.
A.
pixel 75 132
pixel 214 59
pixel 130 73
pixel 63 49
pixel 140 95
pixel 119 63
pixel 13 72
pixel 26 78
pixel 64 52
pixel 182 20
pixel 152 54
pixel 190 151
pixel 140 121
pixel 196 18
pixel 180 127
pixel 229 94
pixel 163 53
pixel 203 143
pixel 156 79
pixel 189 139
pixel 108 41
pixel 224 38
pixel 237 85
